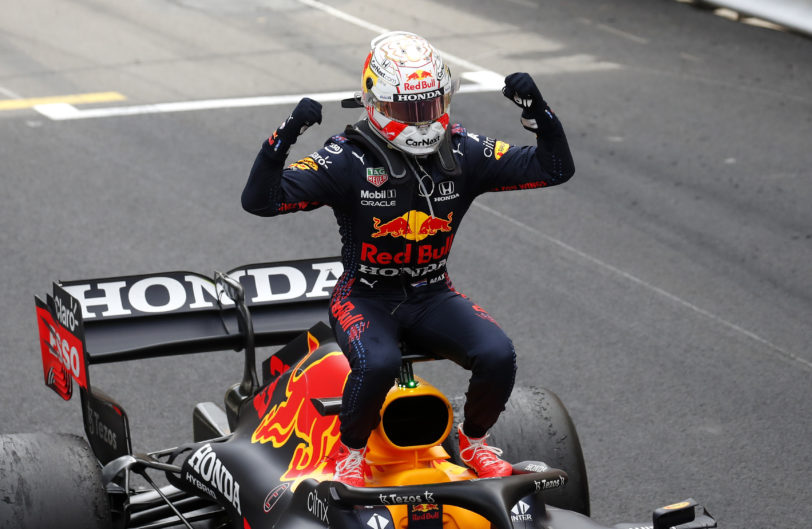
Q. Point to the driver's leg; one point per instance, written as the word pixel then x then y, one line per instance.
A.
pixel 454 327
pixel 368 335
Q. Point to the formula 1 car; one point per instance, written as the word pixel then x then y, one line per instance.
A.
pixel 262 460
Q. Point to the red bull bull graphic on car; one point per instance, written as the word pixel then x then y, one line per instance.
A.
pixel 413 225
pixel 294 422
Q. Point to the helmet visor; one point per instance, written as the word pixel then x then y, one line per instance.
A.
pixel 413 112
pixel 415 108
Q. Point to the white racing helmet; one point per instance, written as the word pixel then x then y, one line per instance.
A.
pixel 406 90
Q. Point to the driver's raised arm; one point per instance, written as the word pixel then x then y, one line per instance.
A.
pixel 270 190
pixel 502 167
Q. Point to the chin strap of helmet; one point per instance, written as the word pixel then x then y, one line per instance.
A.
pixel 395 161
pixel 448 162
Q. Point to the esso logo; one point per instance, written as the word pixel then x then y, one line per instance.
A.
pixel 67 353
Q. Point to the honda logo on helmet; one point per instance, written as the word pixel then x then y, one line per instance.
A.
pixel 422 96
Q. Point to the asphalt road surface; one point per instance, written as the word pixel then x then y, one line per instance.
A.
pixel 665 292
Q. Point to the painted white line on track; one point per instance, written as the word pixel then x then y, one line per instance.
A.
pixel 64 111
pixel 776 350
pixel 346 17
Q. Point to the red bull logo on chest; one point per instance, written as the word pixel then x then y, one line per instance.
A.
pixel 413 225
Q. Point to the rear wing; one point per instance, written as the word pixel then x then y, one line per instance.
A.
pixel 98 321
pixel 174 313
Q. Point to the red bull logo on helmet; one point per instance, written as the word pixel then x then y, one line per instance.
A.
pixel 419 80
pixel 419 75
pixel 295 423
pixel 413 225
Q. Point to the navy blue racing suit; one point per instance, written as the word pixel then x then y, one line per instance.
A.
pixel 396 238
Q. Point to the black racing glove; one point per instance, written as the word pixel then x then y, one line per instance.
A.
pixel 262 194
pixel 306 113
pixel 553 152
pixel 522 90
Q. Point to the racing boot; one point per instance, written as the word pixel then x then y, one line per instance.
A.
pixel 483 459
pixel 351 466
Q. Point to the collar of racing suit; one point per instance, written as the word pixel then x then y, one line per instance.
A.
pixel 396 162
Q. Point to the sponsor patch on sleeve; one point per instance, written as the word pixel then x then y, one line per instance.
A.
pixel 500 149
pixel 304 164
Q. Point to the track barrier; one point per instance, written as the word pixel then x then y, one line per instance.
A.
pixel 792 14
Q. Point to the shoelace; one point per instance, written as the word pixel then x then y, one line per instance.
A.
pixel 484 454
pixel 352 465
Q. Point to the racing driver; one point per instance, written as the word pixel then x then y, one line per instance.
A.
pixel 399 182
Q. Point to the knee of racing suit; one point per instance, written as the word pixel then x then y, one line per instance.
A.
pixel 493 373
